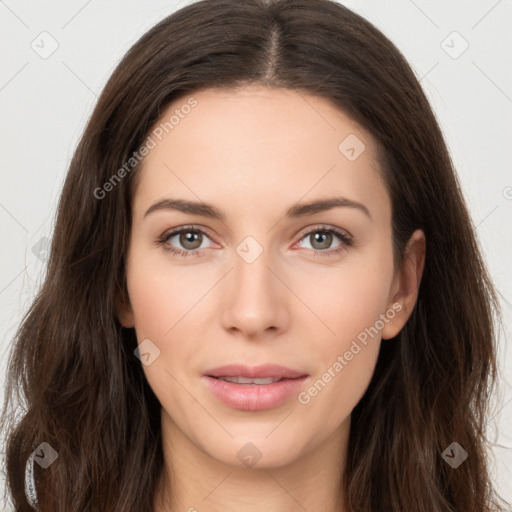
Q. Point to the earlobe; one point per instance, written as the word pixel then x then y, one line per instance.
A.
pixel 395 322
pixel 124 311
pixel 409 280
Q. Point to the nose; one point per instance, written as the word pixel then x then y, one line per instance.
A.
pixel 255 302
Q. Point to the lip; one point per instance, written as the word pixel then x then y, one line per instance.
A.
pixel 254 397
pixel 254 372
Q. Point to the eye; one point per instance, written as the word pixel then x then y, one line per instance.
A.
pixel 191 239
pixel 322 237
pixel 188 237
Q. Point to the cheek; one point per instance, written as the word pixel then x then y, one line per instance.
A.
pixel 345 360
pixel 350 301
pixel 166 302
pixel 164 298
pixel 349 297
pixel 331 396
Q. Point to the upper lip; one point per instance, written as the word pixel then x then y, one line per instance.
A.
pixel 254 372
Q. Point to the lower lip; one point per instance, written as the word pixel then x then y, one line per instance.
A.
pixel 254 397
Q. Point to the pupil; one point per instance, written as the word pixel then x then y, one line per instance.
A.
pixel 189 238
pixel 324 238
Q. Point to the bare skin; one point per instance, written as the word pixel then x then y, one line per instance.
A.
pixel 253 153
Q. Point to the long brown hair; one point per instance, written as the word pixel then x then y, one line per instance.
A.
pixel 73 366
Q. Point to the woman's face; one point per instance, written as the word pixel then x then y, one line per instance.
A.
pixel 246 287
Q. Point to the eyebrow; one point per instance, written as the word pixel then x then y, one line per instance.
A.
pixel 295 211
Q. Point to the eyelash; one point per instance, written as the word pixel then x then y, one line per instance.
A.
pixel 345 239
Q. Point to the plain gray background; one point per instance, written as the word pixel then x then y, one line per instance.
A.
pixel 459 49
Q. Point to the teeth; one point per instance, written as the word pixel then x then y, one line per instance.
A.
pixel 245 380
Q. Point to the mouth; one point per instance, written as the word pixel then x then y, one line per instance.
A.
pixel 264 371
pixel 254 388
pixel 247 380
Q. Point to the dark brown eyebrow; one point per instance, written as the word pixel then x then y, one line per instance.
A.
pixel 322 205
pixel 297 210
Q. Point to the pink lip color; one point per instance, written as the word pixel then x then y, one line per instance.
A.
pixel 253 397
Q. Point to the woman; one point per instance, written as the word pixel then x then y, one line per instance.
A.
pixel 264 290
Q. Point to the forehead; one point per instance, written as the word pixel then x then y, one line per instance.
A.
pixel 257 146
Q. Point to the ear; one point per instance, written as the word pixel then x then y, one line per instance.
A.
pixel 404 292
pixel 124 310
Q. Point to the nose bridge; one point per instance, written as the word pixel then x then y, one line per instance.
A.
pixel 253 277
pixel 255 300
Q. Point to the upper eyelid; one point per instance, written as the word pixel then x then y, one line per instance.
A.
pixel 176 231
